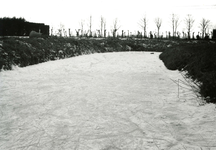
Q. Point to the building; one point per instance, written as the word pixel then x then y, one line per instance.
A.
pixel 20 27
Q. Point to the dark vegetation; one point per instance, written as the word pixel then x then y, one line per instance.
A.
pixel 197 58
pixel 198 61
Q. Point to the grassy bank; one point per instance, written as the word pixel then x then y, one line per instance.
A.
pixel 30 51
pixel 198 61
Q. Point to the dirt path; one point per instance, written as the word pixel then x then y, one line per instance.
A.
pixel 110 101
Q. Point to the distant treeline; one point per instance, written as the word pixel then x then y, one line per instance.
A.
pixel 20 27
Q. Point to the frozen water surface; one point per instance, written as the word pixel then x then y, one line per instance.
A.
pixel 109 101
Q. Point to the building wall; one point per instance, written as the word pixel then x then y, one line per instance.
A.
pixel 20 27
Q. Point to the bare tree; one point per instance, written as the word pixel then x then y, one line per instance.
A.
pixel 65 32
pixel 158 22
pixel 69 33
pixel 189 21
pixel 61 29
pixel 86 33
pixel 143 25
pixel 90 26
pixel 175 24
pixel 101 26
pixel 104 23
pixel 77 32
pixel 115 27
pixel 82 27
pixel 204 24
pixel 99 33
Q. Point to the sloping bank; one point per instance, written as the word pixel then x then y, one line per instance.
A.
pixel 29 51
pixel 198 61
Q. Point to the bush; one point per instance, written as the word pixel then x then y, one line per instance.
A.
pixel 34 34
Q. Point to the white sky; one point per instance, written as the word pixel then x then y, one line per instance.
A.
pixel 129 12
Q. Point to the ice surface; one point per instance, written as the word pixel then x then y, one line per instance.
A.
pixel 109 101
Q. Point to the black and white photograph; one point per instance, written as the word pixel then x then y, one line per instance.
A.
pixel 108 75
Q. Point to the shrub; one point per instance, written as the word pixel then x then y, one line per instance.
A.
pixel 34 34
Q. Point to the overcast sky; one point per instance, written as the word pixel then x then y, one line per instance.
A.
pixel 129 12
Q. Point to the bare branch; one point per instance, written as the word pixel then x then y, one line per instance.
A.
pixel 175 23
pixel 115 27
pixel 90 26
pixel 158 22
pixel 104 28
pixel 189 21
pixel 204 24
pixel 101 26
pixel 82 27
pixel 77 32
pixel 143 24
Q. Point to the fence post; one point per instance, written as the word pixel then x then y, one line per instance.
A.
pixel 178 88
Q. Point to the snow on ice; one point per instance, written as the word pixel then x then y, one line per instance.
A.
pixel 109 101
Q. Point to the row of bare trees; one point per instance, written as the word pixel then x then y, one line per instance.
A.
pixel 101 32
pixel 189 22
pixel 175 22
